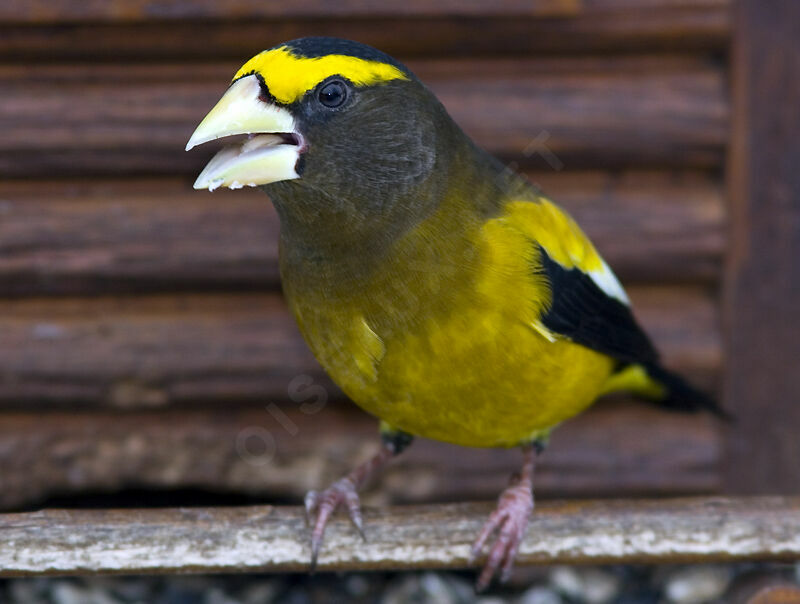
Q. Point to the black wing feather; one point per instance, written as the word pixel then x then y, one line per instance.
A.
pixel 585 314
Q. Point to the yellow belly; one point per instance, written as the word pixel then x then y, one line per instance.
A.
pixel 473 380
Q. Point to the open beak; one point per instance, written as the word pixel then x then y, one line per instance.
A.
pixel 270 153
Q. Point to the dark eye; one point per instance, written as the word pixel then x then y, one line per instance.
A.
pixel 333 94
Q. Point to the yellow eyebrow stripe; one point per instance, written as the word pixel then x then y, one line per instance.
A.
pixel 289 77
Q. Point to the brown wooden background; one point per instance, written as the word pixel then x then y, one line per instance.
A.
pixel 143 339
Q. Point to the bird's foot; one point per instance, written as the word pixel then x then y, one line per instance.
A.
pixel 320 507
pixel 509 520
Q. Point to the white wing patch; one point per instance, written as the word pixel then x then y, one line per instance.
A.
pixel 543 331
pixel 606 280
pixel 369 348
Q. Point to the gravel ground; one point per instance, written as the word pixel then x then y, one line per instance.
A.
pixel 560 585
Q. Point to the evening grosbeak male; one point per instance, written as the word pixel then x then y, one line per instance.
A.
pixel 442 292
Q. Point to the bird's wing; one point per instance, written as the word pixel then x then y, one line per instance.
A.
pixel 582 299
pixel 582 310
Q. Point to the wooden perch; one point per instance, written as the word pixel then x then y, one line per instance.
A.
pixel 274 538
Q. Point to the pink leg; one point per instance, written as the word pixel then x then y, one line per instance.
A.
pixel 344 491
pixel 509 520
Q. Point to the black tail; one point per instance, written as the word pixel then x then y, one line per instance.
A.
pixel 682 396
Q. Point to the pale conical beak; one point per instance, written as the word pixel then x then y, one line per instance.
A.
pixel 269 155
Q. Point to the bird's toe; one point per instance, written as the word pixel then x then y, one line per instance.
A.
pixel 509 520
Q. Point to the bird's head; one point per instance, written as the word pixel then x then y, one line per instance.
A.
pixel 332 116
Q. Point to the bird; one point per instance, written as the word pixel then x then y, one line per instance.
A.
pixel 443 292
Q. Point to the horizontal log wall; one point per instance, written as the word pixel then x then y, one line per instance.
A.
pixel 283 450
pixel 588 112
pixel 158 350
pixel 598 26
pixel 38 11
pixel 141 328
pixel 99 235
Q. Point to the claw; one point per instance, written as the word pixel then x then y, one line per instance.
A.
pixel 509 520
pixel 311 501
pixel 354 511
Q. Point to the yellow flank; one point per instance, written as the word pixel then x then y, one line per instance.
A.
pixel 564 241
pixel 453 353
pixel 537 224
pixel 555 230
pixel 288 77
